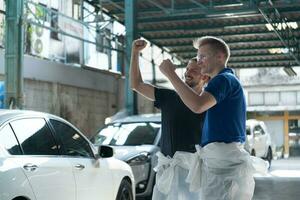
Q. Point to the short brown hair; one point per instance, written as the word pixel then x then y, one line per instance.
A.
pixel 216 44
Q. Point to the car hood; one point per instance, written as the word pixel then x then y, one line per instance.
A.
pixel 126 152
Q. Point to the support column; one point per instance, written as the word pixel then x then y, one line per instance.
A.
pixel 286 135
pixel 14 54
pixel 131 34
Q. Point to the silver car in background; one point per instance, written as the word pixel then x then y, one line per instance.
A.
pixel 135 140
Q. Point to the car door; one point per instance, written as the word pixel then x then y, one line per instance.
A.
pixel 13 181
pixel 49 174
pixel 93 178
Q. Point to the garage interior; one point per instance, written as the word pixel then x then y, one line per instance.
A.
pixel 263 35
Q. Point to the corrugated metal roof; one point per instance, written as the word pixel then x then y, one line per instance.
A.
pixel 174 24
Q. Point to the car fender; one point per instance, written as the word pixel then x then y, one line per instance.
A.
pixel 120 170
pixel 16 182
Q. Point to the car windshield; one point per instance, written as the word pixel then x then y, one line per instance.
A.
pixel 128 134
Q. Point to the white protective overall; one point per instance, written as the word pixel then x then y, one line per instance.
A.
pixel 218 171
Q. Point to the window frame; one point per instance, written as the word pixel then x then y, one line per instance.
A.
pixel 16 138
pixel 60 142
pixel 31 117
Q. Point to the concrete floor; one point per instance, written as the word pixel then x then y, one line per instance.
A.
pixel 282 182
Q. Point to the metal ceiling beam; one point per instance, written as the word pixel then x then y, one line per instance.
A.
pixel 253 55
pixel 198 4
pixel 198 27
pixel 237 52
pixel 247 42
pixel 186 7
pixel 230 42
pixel 191 49
pixel 195 16
pixel 261 59
pixel 268 62
pixel 115 4
pixel 165 10
pixel 286 35
pixel 212 9
pixel 206 14
pixel 237 66
pixel 255 67
pixel 244 34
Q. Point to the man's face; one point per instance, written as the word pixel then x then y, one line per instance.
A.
pixel 192 74
pixel 206 59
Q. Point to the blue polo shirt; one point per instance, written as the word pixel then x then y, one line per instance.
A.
pixel 226 121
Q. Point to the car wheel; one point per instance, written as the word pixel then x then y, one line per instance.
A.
pixel 125 191
pixel 269 156
pixel 253 152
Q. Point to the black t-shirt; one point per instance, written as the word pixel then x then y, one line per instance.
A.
pixel 181 127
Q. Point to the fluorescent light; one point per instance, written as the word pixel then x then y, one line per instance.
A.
pixel 229 5
pixel 280 26
pixel 278 50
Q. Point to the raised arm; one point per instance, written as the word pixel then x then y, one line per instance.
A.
pixel 196 103
pixel 137 83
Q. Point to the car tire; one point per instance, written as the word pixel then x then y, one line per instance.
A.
pixel 253 152
pixel 125 191
pixel 269 156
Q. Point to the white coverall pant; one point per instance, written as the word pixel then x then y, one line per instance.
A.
pixel 219 171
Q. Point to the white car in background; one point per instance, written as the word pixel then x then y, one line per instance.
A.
pixel 258 140
pixel 43 157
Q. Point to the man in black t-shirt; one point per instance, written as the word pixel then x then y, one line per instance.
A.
pixel 181 128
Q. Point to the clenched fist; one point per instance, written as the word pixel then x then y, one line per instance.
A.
pixel 167 67
pixel 138 45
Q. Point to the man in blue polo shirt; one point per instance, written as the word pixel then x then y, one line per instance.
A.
pixel 226 121
pixel 227 171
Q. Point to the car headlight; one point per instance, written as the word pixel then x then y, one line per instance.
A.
pixel 139 159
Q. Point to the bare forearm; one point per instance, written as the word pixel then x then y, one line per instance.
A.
pixel 188 96
pixel 135 74
pixel 136 81
pixel 195 102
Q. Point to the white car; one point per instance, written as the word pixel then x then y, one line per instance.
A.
pixel 43 157
pixel 258 141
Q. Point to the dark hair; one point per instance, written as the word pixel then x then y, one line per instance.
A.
pixel 215 43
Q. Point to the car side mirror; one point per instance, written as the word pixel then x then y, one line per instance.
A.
pixel 105 151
